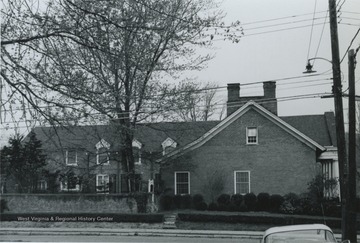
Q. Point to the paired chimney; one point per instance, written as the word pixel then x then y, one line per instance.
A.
pixel 268 100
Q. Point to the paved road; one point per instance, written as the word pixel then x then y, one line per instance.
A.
pixel 87 238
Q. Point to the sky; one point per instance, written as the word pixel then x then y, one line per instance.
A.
pixel 279 37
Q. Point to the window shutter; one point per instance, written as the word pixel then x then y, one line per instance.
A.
pixel 112 183
pixel 124 187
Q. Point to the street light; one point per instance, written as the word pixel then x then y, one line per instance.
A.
pixel 309 66
pixel 348 221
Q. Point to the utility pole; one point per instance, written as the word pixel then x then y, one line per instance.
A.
pixel 339 116
pixel 351 188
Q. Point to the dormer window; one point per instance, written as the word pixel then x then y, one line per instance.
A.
pixel 102 152
pixel 136 147
pixel 251 135
pixel 168 145
pixel 102 156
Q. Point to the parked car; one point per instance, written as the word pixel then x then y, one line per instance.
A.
pixel 299 234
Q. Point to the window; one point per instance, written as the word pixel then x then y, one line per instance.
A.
pixel 242 182
pixel 136 146
pixel 251 135
pixel 102 183
pixel 71 157
pixel 137 155
pixel 102 152
pixel 102 156
pixel 70 183
pixel 42 185
pixel 168 145
pixel 182 182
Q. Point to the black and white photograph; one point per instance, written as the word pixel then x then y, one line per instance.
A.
pixel 180 121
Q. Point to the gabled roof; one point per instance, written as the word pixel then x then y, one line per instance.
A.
pixel 321 128
pixel 234 116
pixel 150 135
pixel 317 131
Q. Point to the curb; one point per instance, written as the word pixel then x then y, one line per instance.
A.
pixel 138 232
pixel 133 232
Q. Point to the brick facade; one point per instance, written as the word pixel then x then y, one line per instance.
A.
pixel 278 164
pixel 282 160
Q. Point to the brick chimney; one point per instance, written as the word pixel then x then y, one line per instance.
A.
pixel 268 101
pixel 233 98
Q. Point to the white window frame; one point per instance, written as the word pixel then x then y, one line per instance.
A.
pixel 169 142
pixel 64 187
pixel 98 157
pixel 67 158
pixel 97 182
pixel 235 184
pixel 102 144
pixel 42 185
pixel 247 135
pixel 175 181
pixel 138 145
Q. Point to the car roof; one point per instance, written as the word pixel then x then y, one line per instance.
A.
pixel 295 228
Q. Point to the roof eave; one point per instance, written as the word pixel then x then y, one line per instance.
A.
pixel 222 125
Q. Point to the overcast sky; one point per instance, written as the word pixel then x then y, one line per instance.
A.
pixel 276 46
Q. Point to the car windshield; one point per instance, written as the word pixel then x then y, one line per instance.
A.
pixel 313 235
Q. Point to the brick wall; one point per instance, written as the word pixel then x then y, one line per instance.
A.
pixel 278 164
pixel 67 203
pixel 88 167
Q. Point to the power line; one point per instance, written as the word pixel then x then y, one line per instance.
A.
pixel 63 105
pixel 321 35
pixel 275 19
pixel 351 42
pixel 260 100
pixel 278 30
pixel 285 23
pixel 311 32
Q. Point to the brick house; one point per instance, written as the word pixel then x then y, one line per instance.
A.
pixel 251 150
pixel 86 158
pixel 254 150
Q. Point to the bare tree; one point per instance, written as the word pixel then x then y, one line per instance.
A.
pixel 85 59
pixel 194 102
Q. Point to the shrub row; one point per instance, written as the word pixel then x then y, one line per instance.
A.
pixel 169 201
pixel 225 202
pixel 247 202
pixel 288 204
pixel 303 204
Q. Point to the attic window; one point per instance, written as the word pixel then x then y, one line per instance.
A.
pixel 251 135
pixel 168 145
pixel 102 152
pixel 102 156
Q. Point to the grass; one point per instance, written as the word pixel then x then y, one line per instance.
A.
pixel 180 224
pixel 221 226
